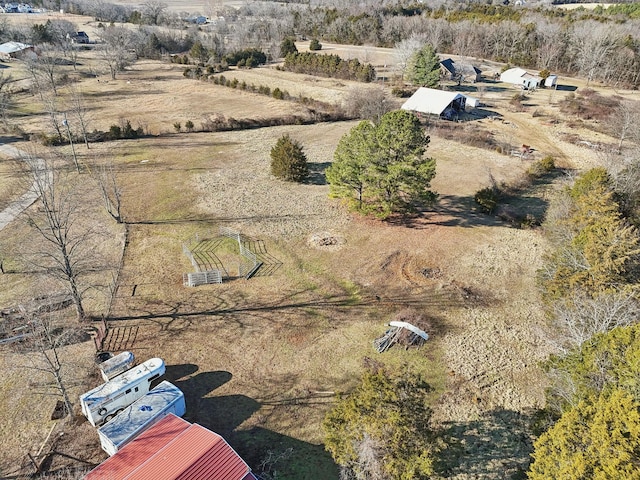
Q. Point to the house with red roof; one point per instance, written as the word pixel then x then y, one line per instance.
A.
pixel 174 449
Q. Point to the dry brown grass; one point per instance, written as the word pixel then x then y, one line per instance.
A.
pixel 258 359
pixel 11 181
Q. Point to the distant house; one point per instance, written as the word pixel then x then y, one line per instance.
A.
pixel 10 50
pixel 520 77
pixel 460 71
pixel 447 69
pixel 174 449
pixel 429 101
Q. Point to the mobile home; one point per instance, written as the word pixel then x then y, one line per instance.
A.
pixel 162 400
pixel 103 402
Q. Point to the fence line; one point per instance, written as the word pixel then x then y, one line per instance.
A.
pixel 116 278
pixel 246 271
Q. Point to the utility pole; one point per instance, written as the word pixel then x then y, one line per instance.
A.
pixel 73 149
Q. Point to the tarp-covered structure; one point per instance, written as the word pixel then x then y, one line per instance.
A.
pixel 430 101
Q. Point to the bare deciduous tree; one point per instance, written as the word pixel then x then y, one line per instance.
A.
pixel 116 48
pixel 5 97
pixel 367 103
pixel 152 11
pixel 111 191
pixel 403 52
pixel 50 105
pixel 624 122
pixel 66 253
pixel 581 316
pixel 592 43
pixel 79 112
pixel 44 69
pixel 47 340
pixel 551 43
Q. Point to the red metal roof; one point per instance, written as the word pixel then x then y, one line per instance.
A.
pixel 192 453
pixel 139 449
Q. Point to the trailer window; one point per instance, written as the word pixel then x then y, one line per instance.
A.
pixel 128 391
pixel 151 379
pixel 136 389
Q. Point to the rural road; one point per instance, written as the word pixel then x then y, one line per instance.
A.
pixel 25 201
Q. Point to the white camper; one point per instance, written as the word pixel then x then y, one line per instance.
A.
pixel 102 403
pixel 164 399
pixel 116 365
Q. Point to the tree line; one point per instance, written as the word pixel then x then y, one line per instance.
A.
pixel 329 66
pixel 590 285
pixel 602 45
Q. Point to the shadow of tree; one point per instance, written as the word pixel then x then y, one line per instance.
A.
pixel 316 173
pixel 498 445
pixel 298 460
pixel 450 210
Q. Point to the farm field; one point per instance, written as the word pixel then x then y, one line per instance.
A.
pixel 260 360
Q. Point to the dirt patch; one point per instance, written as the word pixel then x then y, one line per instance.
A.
pixel 326 241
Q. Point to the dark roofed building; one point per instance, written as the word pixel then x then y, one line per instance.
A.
pixel 460 71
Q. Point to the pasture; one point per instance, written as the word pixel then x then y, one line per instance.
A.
pixel 260 360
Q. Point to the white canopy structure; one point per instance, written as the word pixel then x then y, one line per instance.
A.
pixel 435 102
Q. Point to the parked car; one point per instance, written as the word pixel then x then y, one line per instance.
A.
pixel 80 37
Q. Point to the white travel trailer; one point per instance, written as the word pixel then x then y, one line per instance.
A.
pixel 103 402
pixel 162 400
pixel 116 365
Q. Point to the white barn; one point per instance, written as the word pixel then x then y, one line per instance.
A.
pixel 436 102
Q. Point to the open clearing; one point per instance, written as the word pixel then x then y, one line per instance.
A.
pixel 259 359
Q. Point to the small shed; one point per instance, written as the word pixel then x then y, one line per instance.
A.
pixel 551 81
pixel 472 102
pixel 16 50
pixel 430 101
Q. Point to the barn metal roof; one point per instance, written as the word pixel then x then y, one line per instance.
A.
pixel 13 47
pixel 430 100
pixel 181 451
pixel 142 448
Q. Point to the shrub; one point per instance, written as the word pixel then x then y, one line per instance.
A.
pixel 288 46
pixel 288 161
pixel 400 92
pixel 251 57
pixel 189 125
pixel 115 132
pixel 541 167
pixel 487 199
pixel 277 94
pixel 548 163
pixel 177 126
pixel 314 45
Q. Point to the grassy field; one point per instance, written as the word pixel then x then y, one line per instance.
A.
pixel 260 360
